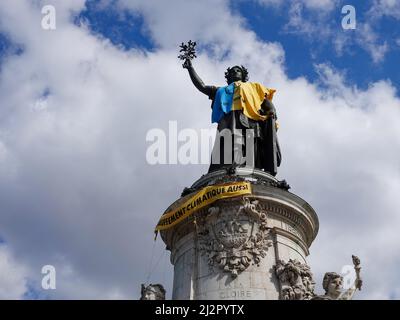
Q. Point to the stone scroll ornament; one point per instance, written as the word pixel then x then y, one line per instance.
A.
pixel 233 239
pixel 296 280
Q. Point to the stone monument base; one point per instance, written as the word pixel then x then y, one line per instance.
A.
pixel 242 247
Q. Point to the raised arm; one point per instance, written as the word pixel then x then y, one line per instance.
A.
pixel 198 83
pixel 349 293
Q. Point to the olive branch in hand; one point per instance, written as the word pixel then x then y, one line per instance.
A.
pixel 188 50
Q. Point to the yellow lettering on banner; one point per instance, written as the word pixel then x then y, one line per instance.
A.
pixel 201 199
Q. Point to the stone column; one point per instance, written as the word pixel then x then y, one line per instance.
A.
pixel 232 248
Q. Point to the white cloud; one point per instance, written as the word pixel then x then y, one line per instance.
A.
pixel 324 5
pixel 273 3
pixel 380 8
pixel 12 276
pixel 206 21
pixel 314 21
pixel 369 40
pixel 327 5
pixel 341 43
pixel 298 24
pixel 307 18
pixel 367 37
pixel 80 183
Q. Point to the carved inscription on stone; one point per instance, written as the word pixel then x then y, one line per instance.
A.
pixel 235 294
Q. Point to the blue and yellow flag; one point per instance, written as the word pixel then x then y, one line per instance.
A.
pixel 246 96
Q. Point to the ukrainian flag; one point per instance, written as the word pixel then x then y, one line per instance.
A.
pixel 246 96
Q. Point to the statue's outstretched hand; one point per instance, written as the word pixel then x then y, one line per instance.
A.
pixel 187 64
pixel 356 260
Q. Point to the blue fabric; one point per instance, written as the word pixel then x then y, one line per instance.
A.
pixel 222 103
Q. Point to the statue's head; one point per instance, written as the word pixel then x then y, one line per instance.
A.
pixel 236 73
pixel 153 292
pixel 332 284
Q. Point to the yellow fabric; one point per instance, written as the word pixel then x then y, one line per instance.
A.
pixel 248 96
pixel 201 199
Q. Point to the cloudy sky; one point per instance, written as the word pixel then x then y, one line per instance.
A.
pixel 77 102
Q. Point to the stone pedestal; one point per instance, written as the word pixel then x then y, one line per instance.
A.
pixel 232 248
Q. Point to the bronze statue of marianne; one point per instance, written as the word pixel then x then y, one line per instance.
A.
pixel 246 117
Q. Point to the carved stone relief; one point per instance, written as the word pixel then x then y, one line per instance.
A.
pixel 233 238
pixel 296 280
pixel 152 292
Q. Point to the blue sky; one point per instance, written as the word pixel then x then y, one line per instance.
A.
pixel 7 48
pixel 122 28
pixel 302 52
pixel 270 23
pixel 127 29
pixel 78 102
